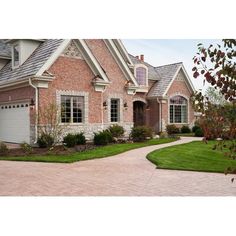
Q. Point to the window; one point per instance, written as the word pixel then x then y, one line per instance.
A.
pixel 178 109
pixel 16 55
pixel 72 109
pixel 115 107
pixel 141 74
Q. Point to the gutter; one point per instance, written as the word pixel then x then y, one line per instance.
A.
pixel 36 109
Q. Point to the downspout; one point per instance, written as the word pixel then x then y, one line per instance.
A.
pixel 36 109
pixel 160 114
pixel 102 109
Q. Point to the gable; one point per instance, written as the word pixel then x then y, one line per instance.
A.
pixel 72 51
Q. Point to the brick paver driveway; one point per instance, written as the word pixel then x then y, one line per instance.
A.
pixel 127 174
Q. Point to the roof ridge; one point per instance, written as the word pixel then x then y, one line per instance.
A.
pixel 169 64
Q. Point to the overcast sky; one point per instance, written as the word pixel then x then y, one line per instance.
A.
pixel 166 51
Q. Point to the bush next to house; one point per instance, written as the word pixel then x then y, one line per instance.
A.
pixel 141 133
pixel 45 140
pixel 195 127
pixel 26 148
pixel 116 131
pixel 3 148
pixel 199 133
pixel 172 129
pixel 102 138
pixel 70 140
pixel 185 129
pixel 80 139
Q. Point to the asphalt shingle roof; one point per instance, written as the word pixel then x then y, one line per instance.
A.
pixel 152 73
pixel 167 73
pixel 32 65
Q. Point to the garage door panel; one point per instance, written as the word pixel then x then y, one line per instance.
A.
pixel 15 123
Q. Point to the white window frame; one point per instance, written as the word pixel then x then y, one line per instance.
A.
pixel 135 75
pixel 118 110
pixel 187 109
pixel 13 55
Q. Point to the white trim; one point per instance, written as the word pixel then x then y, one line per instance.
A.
pixel 123 51
pixel 174 77
pixel 53 57
pixel 17 43
pixel 188 109
pixel 120 60
pixel 139 100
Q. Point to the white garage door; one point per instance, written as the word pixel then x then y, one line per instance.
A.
pixel 15 123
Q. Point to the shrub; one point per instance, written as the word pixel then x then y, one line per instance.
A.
pixel 116 131
pixel 199 132
pixel 185 129
pixel 45 140
pixel 163 135
pixel 3 148
pixel 26 147
pixel 172 129
pixel 141 133
pixel 80 139
pixel 195 127
pixel 70 140
pixel 102 138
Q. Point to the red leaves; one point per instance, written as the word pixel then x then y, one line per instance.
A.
pixel 195 74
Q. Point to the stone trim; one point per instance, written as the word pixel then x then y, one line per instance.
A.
pixel 140 100
pixel 115 96
pixel 60 93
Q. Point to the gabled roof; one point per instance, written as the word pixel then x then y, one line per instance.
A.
pixel 168 74
pixel 32 65
pixel 152 73
pixel 5 50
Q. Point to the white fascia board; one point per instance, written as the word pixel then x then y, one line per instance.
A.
pixel 190 87
pixel 91 60
pixel 123 50
pixel 53 57
pixel 119 59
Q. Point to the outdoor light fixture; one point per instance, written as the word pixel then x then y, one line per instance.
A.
pixel 105 105
pixel 125 105
pixel 32 103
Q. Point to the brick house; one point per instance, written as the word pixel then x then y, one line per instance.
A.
pixel 94 82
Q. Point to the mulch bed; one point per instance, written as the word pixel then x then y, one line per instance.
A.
pixel 57 150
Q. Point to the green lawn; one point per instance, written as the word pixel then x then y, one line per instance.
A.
pixel 195 156
pixel 99 152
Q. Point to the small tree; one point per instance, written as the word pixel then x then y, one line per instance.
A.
pixel 49 119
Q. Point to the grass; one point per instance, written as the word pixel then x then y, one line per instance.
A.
pixel 186 135
pixel 99 152
pixel 194 156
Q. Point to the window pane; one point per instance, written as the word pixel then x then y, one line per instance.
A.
pixel 184 114
pixel 65 109
pixel 178 100
pixel 171 114
pixel 78 106
pixel 141 75
pixel 16 55
pixel 177 115
pixel 114 110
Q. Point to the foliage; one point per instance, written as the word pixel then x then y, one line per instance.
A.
pixel 80 139
pixel 70 140
pixel 217 64
pixel 45 140
pixel 185 129
pixel 214 96
pixel 3 148
pixel 26 147
pixel 195 127
pixel 98 152
pixel 102 138
pixel 172 129
pixel 141 133
pixel 116 131
pixel 49 119
pixel 199 133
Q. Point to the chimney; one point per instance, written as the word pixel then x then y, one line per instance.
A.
pixel 137 57
pixel 142 57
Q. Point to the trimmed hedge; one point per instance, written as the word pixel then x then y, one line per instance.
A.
pixel 102 138
pixel 185 129
pixel 141 133
pixel 45 141
pixel 172 129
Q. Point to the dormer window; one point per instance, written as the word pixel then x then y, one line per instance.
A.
pixel 141 75
pixel 16 55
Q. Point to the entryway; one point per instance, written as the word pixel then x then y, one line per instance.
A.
pixel 139 113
